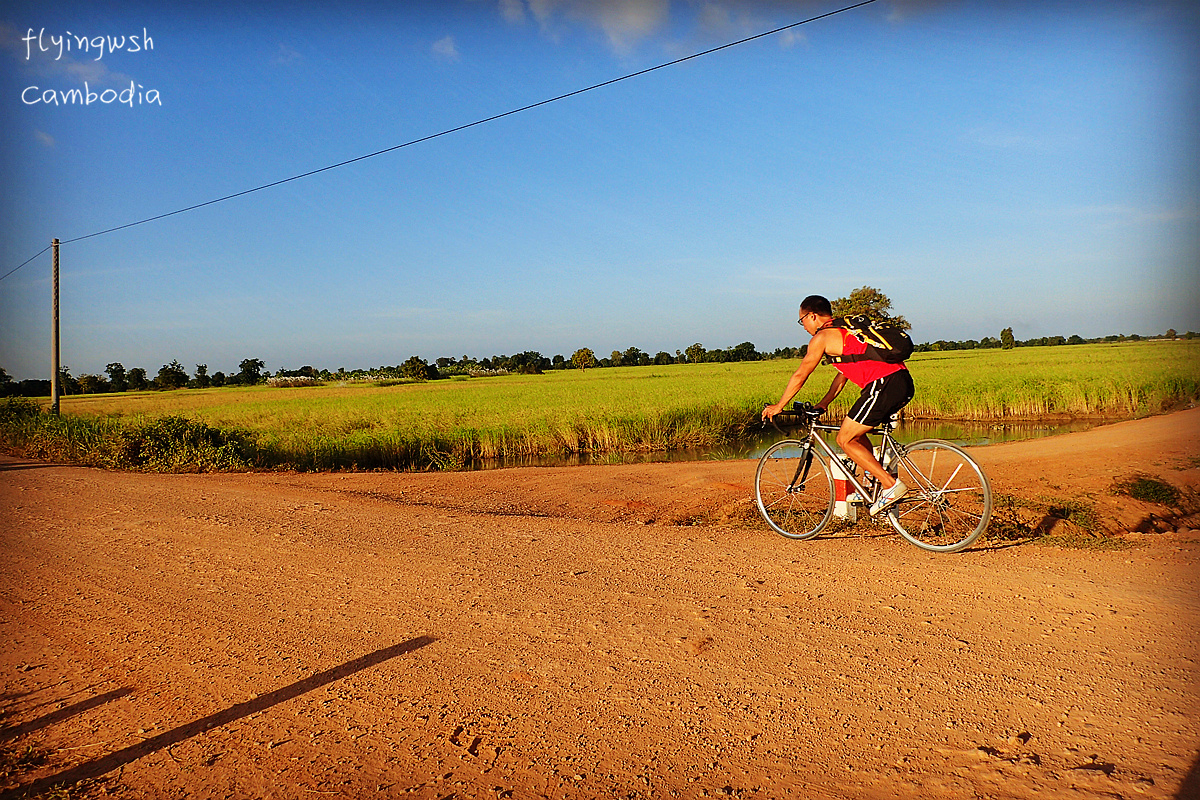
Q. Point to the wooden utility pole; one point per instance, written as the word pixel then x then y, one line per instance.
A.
pixel 54 366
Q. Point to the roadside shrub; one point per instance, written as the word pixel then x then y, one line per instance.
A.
pixel 16 409
pixel 1148 489
pixel 178 444
pixel 167 444
pixel 27 431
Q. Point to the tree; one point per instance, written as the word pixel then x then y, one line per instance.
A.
pixel 583 358
pixel 137 379
pixel 529 362
pixel 695 353
pixel 250 371
pixel 1171 334
pixel 743 352
pixel 202 379
pixel 416 368
pixel 1007 340
pixel 67 384
pixel 172 376
pixel 6 383
pixel 218 378
pixel 634 357
pixel 92 384
pixel 116 377
pixel 663 357
pixel 615 358
pixel 870 302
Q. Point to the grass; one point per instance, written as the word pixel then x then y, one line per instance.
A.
pixel 1018 520
pixel 1149 489
pixel 164 444
pixel 16 762
pixel 451 424
pixel 1105 380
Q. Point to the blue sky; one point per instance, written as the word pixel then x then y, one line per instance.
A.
pixel 985 165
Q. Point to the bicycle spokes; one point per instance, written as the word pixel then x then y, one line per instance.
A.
pixel 794 490
pixel 949 499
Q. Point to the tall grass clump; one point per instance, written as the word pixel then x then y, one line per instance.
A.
pixel 165 444
pixel 455 424
pixel 463 446
pixel 1031 383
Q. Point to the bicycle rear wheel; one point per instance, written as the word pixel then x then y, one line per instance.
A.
pixel 949 499
pixel 794 489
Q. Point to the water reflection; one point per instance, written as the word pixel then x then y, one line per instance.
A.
pixel 964 434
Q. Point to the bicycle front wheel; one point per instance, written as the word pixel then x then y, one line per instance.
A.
pixel 949 499
pixel 794 489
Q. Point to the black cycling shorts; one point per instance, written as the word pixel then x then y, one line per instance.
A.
pixel 882 398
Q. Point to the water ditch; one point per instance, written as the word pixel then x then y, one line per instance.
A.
pixel 962 433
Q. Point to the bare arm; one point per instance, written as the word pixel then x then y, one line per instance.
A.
pixel 812 359
pixel 835 388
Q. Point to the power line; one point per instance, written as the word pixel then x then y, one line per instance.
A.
pixel 449 131
pixel 31 258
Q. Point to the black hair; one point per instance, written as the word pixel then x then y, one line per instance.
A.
pixel 816 304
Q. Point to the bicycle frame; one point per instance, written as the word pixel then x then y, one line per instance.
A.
pixel 886 443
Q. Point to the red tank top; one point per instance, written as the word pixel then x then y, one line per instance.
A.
pixel 862 372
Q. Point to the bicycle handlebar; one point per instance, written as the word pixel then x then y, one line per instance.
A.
pixel 808 411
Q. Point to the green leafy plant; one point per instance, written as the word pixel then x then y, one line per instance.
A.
pixel 177 444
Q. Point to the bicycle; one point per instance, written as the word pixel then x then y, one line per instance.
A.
pixel 802 483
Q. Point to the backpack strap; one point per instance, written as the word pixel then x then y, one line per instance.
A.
pixel 839 323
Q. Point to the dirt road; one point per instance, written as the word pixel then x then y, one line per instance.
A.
pixel 624 631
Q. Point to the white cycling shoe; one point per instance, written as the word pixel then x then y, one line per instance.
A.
pixel 888 498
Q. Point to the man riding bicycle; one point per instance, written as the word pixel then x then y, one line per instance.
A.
pixel 886 388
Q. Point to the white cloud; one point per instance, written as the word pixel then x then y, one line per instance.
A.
pixel 627 23
pixel 286 55
pixel 445 48
pixel 903 10
pixel 512 10
pixel 624 23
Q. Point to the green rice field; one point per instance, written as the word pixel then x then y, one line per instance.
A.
pixel 450 424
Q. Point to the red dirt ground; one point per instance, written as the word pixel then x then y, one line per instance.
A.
pixel 620 631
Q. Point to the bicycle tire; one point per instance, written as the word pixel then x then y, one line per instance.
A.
pixel 797 511
pixel 949 499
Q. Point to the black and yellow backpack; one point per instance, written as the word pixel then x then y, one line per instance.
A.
pixel 884 341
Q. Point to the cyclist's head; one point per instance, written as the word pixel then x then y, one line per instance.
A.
pixel 816 304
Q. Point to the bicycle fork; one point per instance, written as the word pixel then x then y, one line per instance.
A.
pixel 801 476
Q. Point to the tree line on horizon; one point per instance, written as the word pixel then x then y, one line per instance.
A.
pixel 252 371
